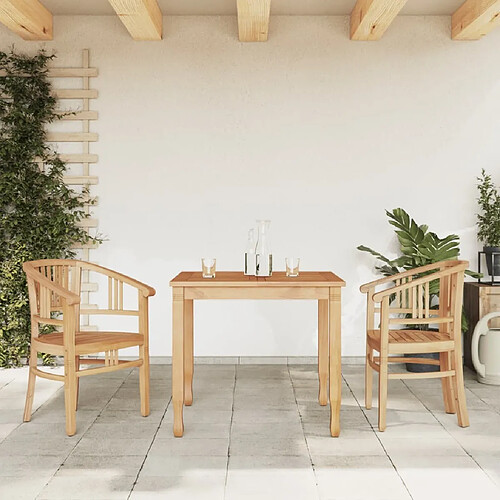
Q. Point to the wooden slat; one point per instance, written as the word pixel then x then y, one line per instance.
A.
pixel 142 18
pixel 418 321
pixel 28 18
pixel 72 72
pixel 90 287
pixel 474 19
pixel 448 373
pixel 63 72
pixel 371 18
pixel 253 20
pixel 75 180
pixel 106 369
pixel 78 115
pixel 88 222
pixel 85 246
pixel 79 158
pixel 111 312
pixel 72 137
pixel 75 93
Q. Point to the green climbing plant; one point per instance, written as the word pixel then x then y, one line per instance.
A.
pixel 39 213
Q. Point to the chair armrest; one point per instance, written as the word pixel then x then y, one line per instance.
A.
pixel 417 270
pixel 147 291
pixel 70 297
pixel 459 266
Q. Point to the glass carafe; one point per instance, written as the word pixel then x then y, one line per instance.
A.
pixel 264 257
pixel 250 254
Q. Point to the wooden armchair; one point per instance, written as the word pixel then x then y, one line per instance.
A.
pixel 403 301
pixel 54 288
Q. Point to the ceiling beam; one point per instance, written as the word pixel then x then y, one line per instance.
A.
pixel 474 19
pixel 253 20
pixel 371 18
pixel 28 18
pixel 142 18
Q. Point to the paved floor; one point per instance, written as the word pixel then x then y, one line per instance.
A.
pixel 253 432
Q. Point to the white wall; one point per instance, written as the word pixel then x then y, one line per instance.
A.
pixel 200 135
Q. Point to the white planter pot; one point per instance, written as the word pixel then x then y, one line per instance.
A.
pixel 485 351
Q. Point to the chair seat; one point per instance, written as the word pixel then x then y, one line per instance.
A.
pixel 88 342
pixel 412 341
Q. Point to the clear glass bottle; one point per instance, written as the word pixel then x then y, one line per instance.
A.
pixel 250 254
pixel 264 257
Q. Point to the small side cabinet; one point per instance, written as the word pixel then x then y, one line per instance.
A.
pixel 479 299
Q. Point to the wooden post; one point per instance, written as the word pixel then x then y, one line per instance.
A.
pixel 178 359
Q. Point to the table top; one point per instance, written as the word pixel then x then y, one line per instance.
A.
pixel 238 279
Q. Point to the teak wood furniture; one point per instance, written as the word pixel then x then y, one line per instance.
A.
pixel 54 287
pixel 479 300
pixel 404 299
pixel 325 287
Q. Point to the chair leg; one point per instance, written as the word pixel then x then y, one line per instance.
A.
pixel 70 383
pixel 382 393
pixel 462 414
pixel 144 380
pixel 30 393
pixel 368 378
pixel 447 383
pixel 77 367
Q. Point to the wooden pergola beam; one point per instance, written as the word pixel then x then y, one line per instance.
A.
pixel 474 19
pixel 28 18
pixel 253 20
pixel 142 18
pixel 371 18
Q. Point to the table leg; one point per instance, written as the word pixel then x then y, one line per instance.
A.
pixel 188 352
pixel 323 351
pixel 335 360
pixel 178 359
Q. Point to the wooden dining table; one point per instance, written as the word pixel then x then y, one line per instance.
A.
pixel 323 286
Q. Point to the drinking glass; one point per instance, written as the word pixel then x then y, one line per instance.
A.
pixel 208 267
pixel 292 266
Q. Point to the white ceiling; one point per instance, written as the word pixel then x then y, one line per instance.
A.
pixel 228 7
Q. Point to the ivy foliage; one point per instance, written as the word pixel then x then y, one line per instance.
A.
pixel 39 213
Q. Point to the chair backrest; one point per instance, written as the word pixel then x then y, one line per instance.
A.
pixel 51 284
pixel 408 295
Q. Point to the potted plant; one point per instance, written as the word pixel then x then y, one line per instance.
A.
pixel 419 247
pixel 488 222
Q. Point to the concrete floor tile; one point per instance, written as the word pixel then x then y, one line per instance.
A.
pixel 89 465
pixel 41 445
pixel 187 447
pixel 445 477
pixel 352 446
pixel 275 484
pixel 361 483
pixel 140 430
pixel 269 462
pixel 25 487
pixel 182 466
pixel 110 487
pixel 119 417
pixel 199 416
pixel 197 430
pixel 265 435
pixel 202 487
pixel 265 415
pixel 268 446
pixel 428 446
pixel 21 465
pixel 10 416
pixel 259 430
pixel 112 446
